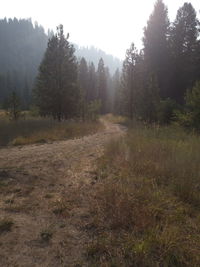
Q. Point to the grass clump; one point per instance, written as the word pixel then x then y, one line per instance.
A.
pixel 46 235
pixel 62 206
pixel 115 119
pixel 6 225
pixel 39 130
pixel 146 207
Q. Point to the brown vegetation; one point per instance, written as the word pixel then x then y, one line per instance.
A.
pixel 39 130
pixel 146 208
pixel 44 191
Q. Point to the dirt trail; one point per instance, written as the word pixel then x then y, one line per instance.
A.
pixel 45 191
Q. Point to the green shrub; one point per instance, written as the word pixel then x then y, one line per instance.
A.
pixel 166 111
pixel 93 110
pixel 13 107
pixel 6 225
pixel 46 235
pixel 190 117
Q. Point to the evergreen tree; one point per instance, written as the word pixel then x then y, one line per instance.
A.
pixel 149 106
pixel 117 93
pixel 184 50
pixel 129 81
pixel 190 116
pixel 92 83
pixel 102 86
pixel 156 47
pixel 22 47
pixel 2 88
pixel 56 88
pixel 92 54
pixel 83 87
pixel 140 89
pixel 13 107
pixel 110 91
pixel 26 95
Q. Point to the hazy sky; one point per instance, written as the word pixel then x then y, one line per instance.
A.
pixel 107 24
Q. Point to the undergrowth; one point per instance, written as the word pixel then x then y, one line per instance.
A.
pixel 38 130
pixel 147 205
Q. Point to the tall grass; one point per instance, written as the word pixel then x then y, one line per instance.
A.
pixel 169 156
pixel 146 208
pixel 39 130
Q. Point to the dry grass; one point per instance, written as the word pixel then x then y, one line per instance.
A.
pixel 115 119
pixel 6 225
pixel 146 208
pixel 2 114
pixel 45 190
pixel 38 130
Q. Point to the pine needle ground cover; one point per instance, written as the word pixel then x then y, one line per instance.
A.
pixel 147 204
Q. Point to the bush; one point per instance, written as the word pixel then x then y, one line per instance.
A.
pixel 190 116
pixel 13 107
pixel 6 225
pixel 166 111
pixel 93 110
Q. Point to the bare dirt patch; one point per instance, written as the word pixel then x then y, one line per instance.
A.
pixel 44 193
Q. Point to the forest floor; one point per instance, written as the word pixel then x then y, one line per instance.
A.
pixel 44 200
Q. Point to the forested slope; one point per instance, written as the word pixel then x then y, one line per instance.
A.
pixel 22 47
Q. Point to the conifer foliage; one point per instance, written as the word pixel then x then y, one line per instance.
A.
pixel 102 86
pixel 56 88
pixel 158 81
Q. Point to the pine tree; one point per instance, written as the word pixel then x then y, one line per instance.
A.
pixel 13 107
pixel 140 90
pixel 26 95
pixel 150 101
pixel 56 88
pixel 109 98
pixel 190 116
pixel 129 81
pixel 83 86
pixel 117 93
pixel 102 85
pixel 92 83
pixel 27 44
pixel 184 45
pixel 156 47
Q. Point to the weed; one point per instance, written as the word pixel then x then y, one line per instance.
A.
pixel 48 195
pixel 61 207
pixel 6 225
pixel 46 235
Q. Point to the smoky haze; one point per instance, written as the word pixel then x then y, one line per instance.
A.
pixel 109 25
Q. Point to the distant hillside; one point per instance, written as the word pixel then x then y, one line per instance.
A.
pixel 93 54
pixel 22 46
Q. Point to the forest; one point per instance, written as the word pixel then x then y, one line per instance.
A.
pixel 160 82
pixel 99 158
pixel 155 84
pixel 22 48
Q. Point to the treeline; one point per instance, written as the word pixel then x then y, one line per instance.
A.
pixel 156 81
pixel 67 88
pixel 22 47
pixel 93 54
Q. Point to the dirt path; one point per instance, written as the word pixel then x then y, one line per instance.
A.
pixel 43 190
